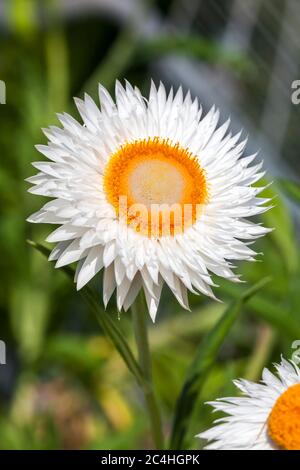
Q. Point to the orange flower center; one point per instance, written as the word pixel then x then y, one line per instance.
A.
pixel 157 187
pixel 284 420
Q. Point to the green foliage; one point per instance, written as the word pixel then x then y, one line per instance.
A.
pixel 68 383
pixel 291 189
pixel 106 323
pixel 204 359
pixel 193 46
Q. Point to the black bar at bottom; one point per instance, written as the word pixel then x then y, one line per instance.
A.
pixel 135 459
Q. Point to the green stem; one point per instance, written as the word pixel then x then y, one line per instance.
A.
pixel 139 317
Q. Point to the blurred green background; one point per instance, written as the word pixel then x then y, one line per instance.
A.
pixel 64 386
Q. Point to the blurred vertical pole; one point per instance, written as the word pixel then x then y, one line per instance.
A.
pixel 277 106
pixel 183 13
pixel 236 38
pixel 239 28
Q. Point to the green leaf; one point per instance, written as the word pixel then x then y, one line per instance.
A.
pixel 264 307
pixel 73 352
pixel 105 321
pixel 29 318
pixel 283 235
pixel 202 363
pixel 119 57
pixel 290 188
pixel 193 46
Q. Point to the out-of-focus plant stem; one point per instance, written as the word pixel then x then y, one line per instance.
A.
pixel 115 64
pixel 119 56
pixel 57 61
pixel 139 317
pixel 262 349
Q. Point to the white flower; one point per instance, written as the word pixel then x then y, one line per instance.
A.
pixel 267 418
pixel 148 153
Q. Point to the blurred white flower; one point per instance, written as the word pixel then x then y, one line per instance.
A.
pixel 267 418
pixel 122 180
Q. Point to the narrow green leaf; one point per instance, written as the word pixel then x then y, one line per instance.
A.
pixel 279 218
pixel 105 321
pixel 274 313
pixel 290 188
pixel 115 64
pixel 203 361
pixel 119 57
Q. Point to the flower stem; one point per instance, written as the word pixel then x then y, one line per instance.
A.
pixel 139 317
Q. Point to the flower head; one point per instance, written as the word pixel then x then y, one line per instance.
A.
pixel 268 417
pixel 151 192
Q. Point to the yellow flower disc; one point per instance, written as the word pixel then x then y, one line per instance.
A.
pixel 284 420
pixel 158 187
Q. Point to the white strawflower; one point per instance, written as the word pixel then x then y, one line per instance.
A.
pixel 149 191
pixel 267 418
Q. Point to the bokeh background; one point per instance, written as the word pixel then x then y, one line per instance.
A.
pixel 63 385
